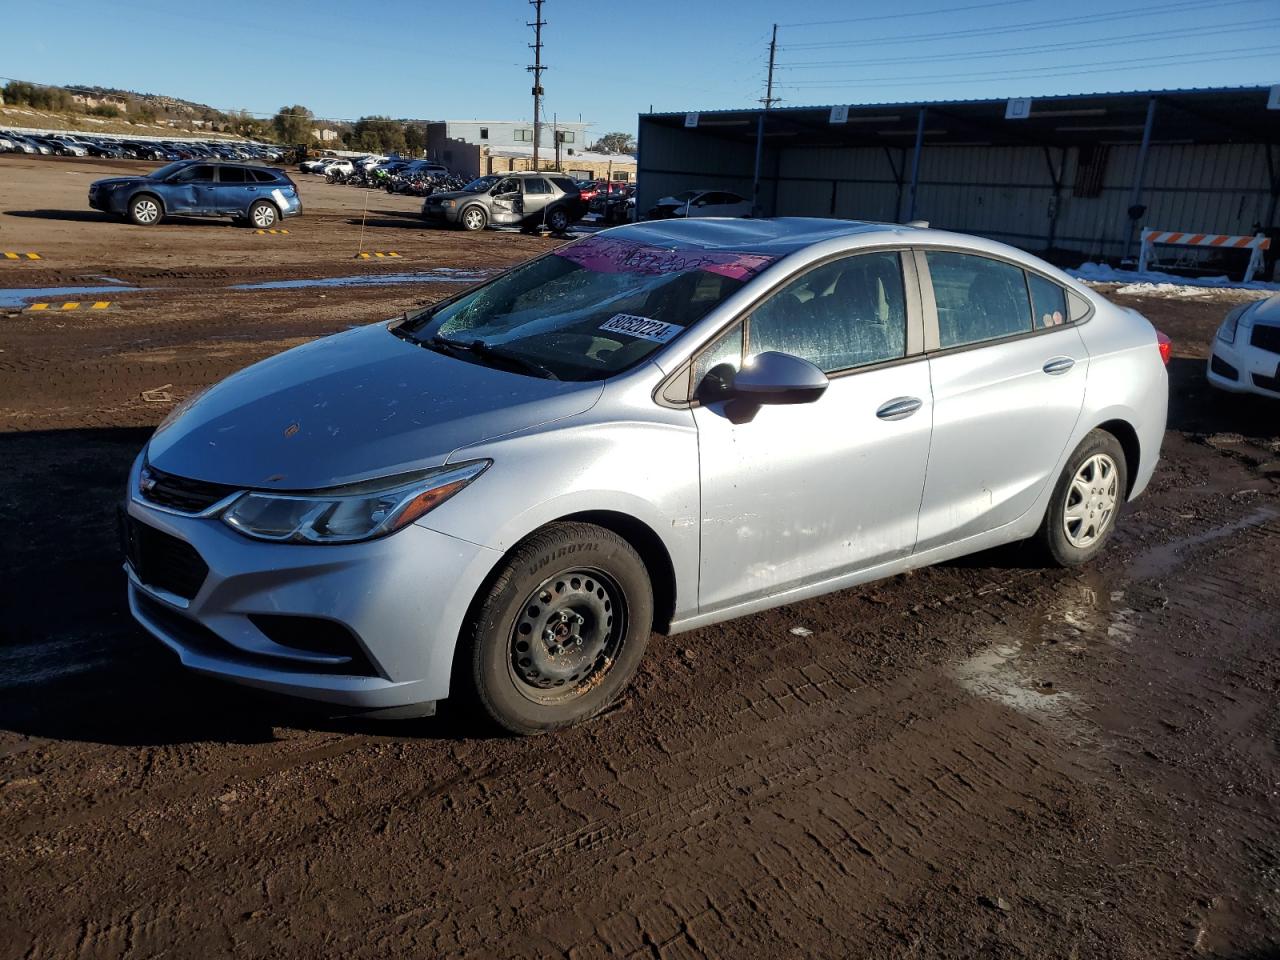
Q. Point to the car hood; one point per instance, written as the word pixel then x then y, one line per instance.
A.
pixel 452 195
pixel 117 181
pixel 353 406
pixel 1265 312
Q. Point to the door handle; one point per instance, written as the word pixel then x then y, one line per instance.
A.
pixel 899 408
pixel 1058 365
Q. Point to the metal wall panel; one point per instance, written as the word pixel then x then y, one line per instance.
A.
pixel 1002 192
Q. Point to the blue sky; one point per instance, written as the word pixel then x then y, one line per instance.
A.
pixel 346 59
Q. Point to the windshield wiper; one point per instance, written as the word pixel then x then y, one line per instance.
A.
pixel 487 351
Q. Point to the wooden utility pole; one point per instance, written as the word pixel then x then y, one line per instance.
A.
pixel 536 69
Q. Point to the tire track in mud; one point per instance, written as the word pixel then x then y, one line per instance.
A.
pixel 794 681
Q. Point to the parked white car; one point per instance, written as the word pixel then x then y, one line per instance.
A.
pixel 341 165
pixel 701 203
pixel 315 164
pixel 7 145
pixel 1245 354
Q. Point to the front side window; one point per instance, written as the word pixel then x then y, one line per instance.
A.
pixel 587 310
pixel 847 313
pixel 977 298
pixel 197 174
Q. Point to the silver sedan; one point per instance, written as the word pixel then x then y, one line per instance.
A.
pixel 660 426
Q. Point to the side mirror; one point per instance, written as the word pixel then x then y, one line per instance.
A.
pixel 778 378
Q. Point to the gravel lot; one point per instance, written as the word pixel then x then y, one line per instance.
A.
pixel 984 758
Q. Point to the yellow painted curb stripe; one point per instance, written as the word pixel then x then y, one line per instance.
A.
pixel 8 255
pixel 366 256
pixel 262 232
pixel 72 305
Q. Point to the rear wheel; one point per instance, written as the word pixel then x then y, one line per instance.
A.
pixel 145 210
pixel 559 634
pixel 1086 501
pixel 263 214
pixel 558 221
pixel 474 218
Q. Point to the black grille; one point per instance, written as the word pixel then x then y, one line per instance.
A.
pixel 1267 338
pixel 162 561
pixel 1222 368
pixel 196 636
pixel 316 635
pixel 1266 383
pixel 179 493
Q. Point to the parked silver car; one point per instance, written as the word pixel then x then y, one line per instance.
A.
pixel 660 426
pixel 529 199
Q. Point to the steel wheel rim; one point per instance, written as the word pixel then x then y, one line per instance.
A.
pixel 567 635
pixel 472 219
pixel 264 216
pixel 1091 501
pixel 146 210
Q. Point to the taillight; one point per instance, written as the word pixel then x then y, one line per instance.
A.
pixel 1165 345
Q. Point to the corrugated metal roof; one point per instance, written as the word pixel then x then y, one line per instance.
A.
pixel 879 104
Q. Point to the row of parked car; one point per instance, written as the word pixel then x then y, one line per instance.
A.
pixel 94 145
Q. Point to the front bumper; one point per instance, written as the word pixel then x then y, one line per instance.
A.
pixel 1255 369
pixel 403 599
pixel 439 214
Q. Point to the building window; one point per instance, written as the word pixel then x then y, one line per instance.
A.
pixel 524 136
pixel 484 133
pixel 564 136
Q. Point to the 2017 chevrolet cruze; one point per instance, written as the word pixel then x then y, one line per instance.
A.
pixel 659 426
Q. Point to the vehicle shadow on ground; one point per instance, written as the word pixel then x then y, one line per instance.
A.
pixel 394 221
pixel 1198 408
pixel 94 216
pixel 73 664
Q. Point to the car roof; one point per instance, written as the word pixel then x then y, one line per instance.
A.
pixel 777 235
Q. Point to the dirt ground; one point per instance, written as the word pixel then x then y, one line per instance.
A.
pixel 985 758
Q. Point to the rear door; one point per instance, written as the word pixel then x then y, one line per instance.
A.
pixel 537 194
pixel 1008 372
pixel 794 495
pixel 234 190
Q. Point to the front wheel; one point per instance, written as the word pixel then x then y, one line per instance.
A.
pixel 473 218
pixel 562 629
pixel 145 210
pixel 1086 501
pixel 263 214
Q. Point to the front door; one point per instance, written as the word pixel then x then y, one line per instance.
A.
pixel 190 190
pixel 507 203
pixel 800 494
pixel 1008 372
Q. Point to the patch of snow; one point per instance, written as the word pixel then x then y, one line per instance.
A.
pixel 1153 283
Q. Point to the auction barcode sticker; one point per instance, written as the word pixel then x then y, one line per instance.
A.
pixel 641 327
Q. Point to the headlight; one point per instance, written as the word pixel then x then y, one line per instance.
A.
pixel 1227 332
pixel 451 203
pixel 360 511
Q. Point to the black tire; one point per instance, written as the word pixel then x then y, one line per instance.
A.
pixel 473 218
pixel 263 215
pixel 1095 502
pixel 145 210
pixel 558 220
pixel 560 631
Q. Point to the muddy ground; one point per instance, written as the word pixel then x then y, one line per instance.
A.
pixel 986 758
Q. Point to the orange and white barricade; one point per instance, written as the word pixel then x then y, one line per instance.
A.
pixel 1256 244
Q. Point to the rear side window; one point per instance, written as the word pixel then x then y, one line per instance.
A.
pixel 264 176
pixel 1048 302
pixel 565 184
pixel 231 175
pixel 977 298
pixel 536 185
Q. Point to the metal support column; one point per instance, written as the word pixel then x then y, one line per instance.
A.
pixel 1136 208
pixel 915 163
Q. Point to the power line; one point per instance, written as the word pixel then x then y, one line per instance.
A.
pixel 916 13
pixel 1020 27
pixel 1033 48
pixel 1111 66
